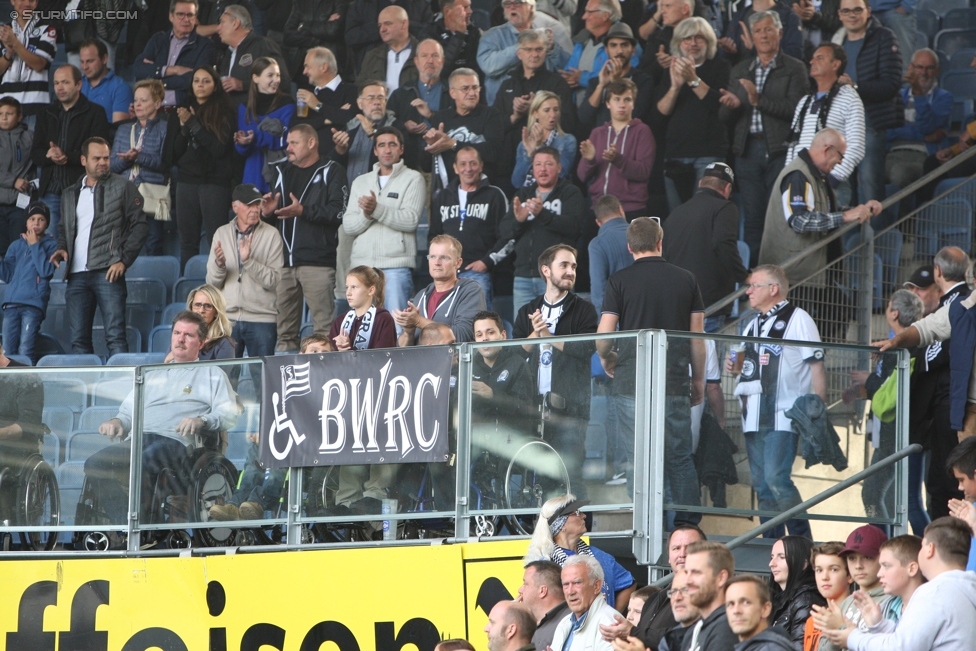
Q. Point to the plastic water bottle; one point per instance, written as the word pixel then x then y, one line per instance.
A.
pixel 389 526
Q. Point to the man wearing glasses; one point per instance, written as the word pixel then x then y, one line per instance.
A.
pixel 497 51
pixel 803 208
pixel 173 56
pixel 770 381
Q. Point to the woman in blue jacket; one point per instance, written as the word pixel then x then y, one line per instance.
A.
pixel 263 122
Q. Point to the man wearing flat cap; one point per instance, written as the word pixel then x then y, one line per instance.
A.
pixel 245 263
pixel 701 236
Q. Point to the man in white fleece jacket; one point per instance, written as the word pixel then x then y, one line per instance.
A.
pixel 942 613
pixel 383 211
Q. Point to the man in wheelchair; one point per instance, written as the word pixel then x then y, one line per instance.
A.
pixel 21 431
pixel 186 408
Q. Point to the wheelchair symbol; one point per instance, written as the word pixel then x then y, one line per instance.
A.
pixel 282 423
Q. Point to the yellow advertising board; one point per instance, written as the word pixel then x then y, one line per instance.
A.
pixel 385 599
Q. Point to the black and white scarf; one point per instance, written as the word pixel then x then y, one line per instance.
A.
pixel 559 557
pixel 365 332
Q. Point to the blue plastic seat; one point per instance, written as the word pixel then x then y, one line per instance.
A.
pixel 928 22
pixel 170 312
pixel 161 267
pixel 960 18
pixel 147 291
pixel 82 445
pixel 71 393
pixel 160 339
pixel 951 41
pixel 941 7
pixel 23 359
pixel 135 359
pixel 92 417
pixel 961 59
pixel 56 326
pixel 132 337
pixel 961 83
pixel 69 360
pixel 196 267
pixel 184 286
pixel 111 392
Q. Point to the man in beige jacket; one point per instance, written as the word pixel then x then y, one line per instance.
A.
pixel 245 263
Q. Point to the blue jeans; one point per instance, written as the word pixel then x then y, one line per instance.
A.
pixel 714 323
pixel 257 338
pixel 87 290
pixel 399 288
pixel 871 172
pixel 771 456
pixel 53 201
pixel 917 515
pixel 258 485
pixel 21 323
pixel 674 199
pixel 525 290
pixel 13 222
pixel 484 279
pixel 680 476
pixel 904 27
pixel 755 174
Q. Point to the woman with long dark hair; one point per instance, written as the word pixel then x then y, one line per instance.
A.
pixel 263 123
pixel 205 167
pixel 792 586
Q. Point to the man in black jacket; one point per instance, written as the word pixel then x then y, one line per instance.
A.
pixel 313 23
pixel 562 368
pixel 709 566
pixel 452 29
pixel 308 201
pixel 104 230
pixel 555 206
pixel 236 31
pixel 331 100
pixel 764 92
pixel 416 102
pixel 874 69
pixel 393 60
pixel 700 236
pixel 362 23
pixel 483 207
pixel 468 121
pixel 62 127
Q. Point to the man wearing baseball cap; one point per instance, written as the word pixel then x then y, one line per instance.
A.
pixel 922 284
pixel 700 236
pixel 245 263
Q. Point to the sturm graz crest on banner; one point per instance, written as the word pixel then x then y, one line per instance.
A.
pixel 356 407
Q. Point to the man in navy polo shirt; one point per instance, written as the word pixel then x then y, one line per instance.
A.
pixel 100 84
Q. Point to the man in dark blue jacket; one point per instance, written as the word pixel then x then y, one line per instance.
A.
pixel 191 50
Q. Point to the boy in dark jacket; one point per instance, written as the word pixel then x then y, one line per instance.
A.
pixel 28 271
pixel 15 164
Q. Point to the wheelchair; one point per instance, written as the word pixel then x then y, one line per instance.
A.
pixel 181 494
pixel 29 496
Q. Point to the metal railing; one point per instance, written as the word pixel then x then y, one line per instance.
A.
pixel 478 481
pixel 855 283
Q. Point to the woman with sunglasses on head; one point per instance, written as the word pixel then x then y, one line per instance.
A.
pixel 792 586
pixel 558 535
pixel 208 302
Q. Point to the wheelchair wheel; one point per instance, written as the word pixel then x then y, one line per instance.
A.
pixel 536 474
pixel 322 488
pixel 40 504
pixel 212 481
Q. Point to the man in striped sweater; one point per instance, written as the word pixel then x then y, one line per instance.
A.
pixel 834 105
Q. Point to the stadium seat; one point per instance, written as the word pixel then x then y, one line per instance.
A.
pixel 135 359
pixel 508 328
pixel 132 337
pixel 139 316
pixel 961 83
pixel 47 345
pixel 921 40
pixel 960 18
pixel 160 339
pixel 71 393
pixel 928 22
pixel 307 329
pixel 961 59
pixel 184 286
pixel 196 267
pixel 23 359
pixel 51 450
pixel 161 267
pixel 60 420
pixel 148 291
pixel 951 41
pixel 71 477
pixel 82 445
pixel 111 392
pixel 170 312
pixel 56 326
pixel 947 222
pixel 941 7
pixel 92 417
pixel 481 19
pixel 69 360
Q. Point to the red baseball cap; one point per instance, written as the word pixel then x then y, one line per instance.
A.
pixel 866 540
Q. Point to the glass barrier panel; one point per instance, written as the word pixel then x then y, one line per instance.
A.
pixel 200 481
pixel 546 420
pixel 782 421
pixel 387 501
pixel 61 478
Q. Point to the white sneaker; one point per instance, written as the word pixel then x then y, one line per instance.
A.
pixel 618 479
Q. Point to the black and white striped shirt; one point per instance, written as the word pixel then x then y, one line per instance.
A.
pixel 22 82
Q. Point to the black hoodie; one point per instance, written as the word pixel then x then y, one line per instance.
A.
pixel 557 223
pixel 772 639
pixel 480 231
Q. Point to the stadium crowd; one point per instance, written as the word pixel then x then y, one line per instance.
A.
pixel 308 143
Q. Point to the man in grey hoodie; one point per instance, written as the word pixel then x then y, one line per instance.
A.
pixel 747 606
pixel 942 613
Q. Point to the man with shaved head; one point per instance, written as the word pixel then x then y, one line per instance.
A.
pixel 803 208
pixel 510 627
pixel 392 61
pixel 362 24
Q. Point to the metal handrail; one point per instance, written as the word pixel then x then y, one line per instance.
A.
pixel 846 228
pixel 789 514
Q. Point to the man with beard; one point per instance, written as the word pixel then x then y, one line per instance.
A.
pixel 620 45
pixel 927 112
pixel 468 121
pixel 689 96
pixel 103 230
pixel 709 565
pixel 562 369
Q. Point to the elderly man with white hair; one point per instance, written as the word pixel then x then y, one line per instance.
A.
pixel 557 538
pixel 582 582
pixel 499 45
